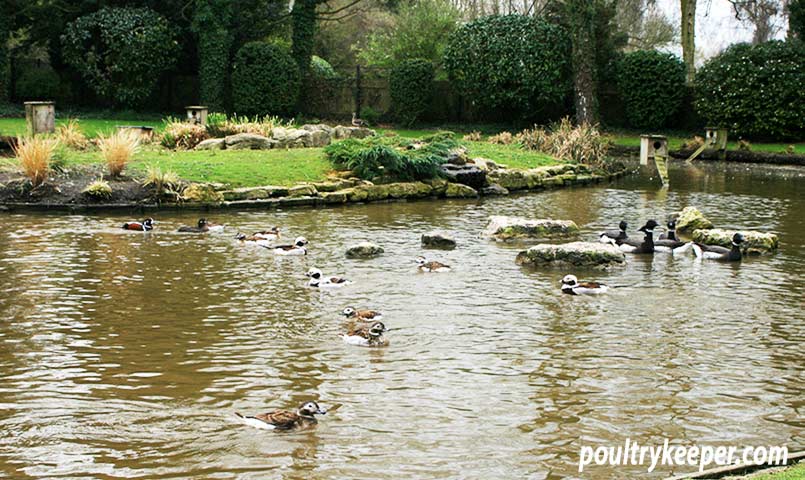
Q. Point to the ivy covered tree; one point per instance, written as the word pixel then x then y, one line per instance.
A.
pixel 212 24
pixel 5 29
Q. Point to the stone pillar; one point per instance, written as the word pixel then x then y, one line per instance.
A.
pixel 40 117
pixel 197 114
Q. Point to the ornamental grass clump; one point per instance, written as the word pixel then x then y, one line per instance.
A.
pixel 71 135
pixel 502 138
pixel 164 182
pixel 118 149
pixel 99 190
pixel 183 135
pixel 34 155
pixel 580 144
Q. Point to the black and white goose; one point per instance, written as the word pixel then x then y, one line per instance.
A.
pixel 318 280
pixel 669 234
pixel 717 252
pixel 618 236
pixel 297 248
pixel 646 245
pixel 572 286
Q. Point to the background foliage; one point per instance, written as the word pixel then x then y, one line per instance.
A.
pixel 265 80
pixel 755 90
pixel 651 85
pixel 411 85
pixel 212 24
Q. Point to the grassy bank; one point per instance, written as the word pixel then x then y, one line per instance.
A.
pixel 92 127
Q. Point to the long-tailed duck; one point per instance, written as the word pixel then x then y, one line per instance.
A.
pixel 304 417
pixel 367 335
pixel 145 226
pixel 272 233
pixel 203 226
pixel 252 239
pixel 318 280
pixel 425 266
pixel 362 315
pixel 572 286
pixel 717 252
pixel 297 248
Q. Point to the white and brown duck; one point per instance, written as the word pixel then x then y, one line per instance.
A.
pixel 367 335
pixel 303 417
pixel 423 265
pixel 353 313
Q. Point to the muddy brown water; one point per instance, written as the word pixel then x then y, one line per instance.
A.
pixel 124 355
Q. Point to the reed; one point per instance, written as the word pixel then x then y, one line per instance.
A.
pixel 34 155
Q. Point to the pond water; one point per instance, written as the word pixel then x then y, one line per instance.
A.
pixel 125 354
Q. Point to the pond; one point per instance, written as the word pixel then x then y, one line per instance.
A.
pixel 125 354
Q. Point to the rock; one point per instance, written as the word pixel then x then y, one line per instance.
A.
pixel 319 138
pixel 303 191
pixel 756 243
pixel 690 219
pixel 202 193
pixel 364 250
pixel 336 184
pixel 291 137
pixel 513 228
pixel 457 156
pixel 494 189
pixel 408 190
pixel 469 175
pixel 249 141
pixel 486 164
pixel 318 127
pixel 438 240
pixel 254 193
pixel 577 254
pixel 458 190
pixel 341 132
pixel 212 144
pixel 439 186
pixel 334 197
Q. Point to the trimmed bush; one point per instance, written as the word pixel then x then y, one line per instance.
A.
pixel 265 80
pixel 37 84
pixel 120 52
pixel 411 88
pixel 651 85
pixel 755 90
pixel 321 68
pixel 511 61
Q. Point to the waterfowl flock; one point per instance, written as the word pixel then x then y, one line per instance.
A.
pixel 365 327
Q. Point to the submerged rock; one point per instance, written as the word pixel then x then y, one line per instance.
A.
pixel 513 228
pixel 438 240
pixel 577 254
pixel 755 243
pixel 690 219
pixel 364 250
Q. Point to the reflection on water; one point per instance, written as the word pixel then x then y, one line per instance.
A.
pixel 125 354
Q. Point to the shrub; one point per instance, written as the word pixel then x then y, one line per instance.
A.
pixel 34 155
pixel 580 144
pixel 502 138
pixel 755 90
pixel 651 85
pixel 243 124
pixel 99 189
pixel 164 182
pixel 71 135
pixel 37 84
pixel 474 136
pixel 392 157
pixel 796 18
pixel 265 79
pixel 118 149
pixel 512 61
pixel 183 135
pixel 211 23
pixel 370 115
pixel 321 68
pixel 411 89
pixel 120 52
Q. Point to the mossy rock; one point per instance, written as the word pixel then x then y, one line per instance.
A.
pixel 334 197
pixel 458 190
pixel 302 191
pixel 255 193
pixel 576 254
pixel 202 193
pixel 756 243
pixel 409 190
pixel 690 219
pixel 364 250
pixel 504 229
pixel 438 240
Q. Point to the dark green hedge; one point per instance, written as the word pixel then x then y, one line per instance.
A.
pixel 511 61
pixel 265 80
pixel 411 89
pixel 120 52
pixel 37 84
pixel 796 18
pixel 212 25
pixel 755 90
pixel 652 86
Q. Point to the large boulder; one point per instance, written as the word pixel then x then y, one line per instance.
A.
pixel 342 132
pixel 249 141
pixel 438 240
pixel 486 164
pixel 469 175
pixel 364 250
pixel 504 229
pixel 756 243
pixel 212 144
pixel 202 193
pixel 690 219
pixel 290 137
pixel 576 254
pixel 458 190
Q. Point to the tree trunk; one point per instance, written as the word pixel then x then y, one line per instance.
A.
pixel 689 39
pixel 5 60
pixel 582 19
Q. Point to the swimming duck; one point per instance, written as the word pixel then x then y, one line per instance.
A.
pixel 145 226
pixel 362 315
pixel 272 233
pixel 425 266
pixel 572 286
pixel 298 247
pixel 717 252
pixel 646 246
pixel 304 417
pixel 669 234
pixel 367 335
pixel 318 280
pixel 202 227
pixel 252 239
pixel 618 236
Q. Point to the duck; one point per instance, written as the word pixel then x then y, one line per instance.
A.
pixel 145 226
pixel 362 315
pixel 357 122
pixel 202 227
pixel 423 265
pixel 669 234
pixel 318 280
pixel 634 246
pixel 297 248
pixel 303 417
pixel 367 335
pixel 272 233
pixel 252 239
pixel 618 236
pixel 717 252
pixel 572 286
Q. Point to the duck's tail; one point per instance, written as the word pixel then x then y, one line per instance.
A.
pixel 697 249
pixel 683 249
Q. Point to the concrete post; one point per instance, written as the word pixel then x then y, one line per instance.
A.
pixel 40 117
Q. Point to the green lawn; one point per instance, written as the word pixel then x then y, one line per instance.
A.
pixel 675 142
pixel 796 472
pixel 91 127
pixel 513 156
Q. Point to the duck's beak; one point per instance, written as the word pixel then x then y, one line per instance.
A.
pixel 321 411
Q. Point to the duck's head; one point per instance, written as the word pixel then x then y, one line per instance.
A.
pixel 275 230
pixel 377 329
pixel 421 260
pixel 570 281
pixel 348 312
pixel 623 225
pixel 149 222
pixel 300 242
pixel 671 225
pixel 309 409
pixel 240 236
pixel 314 273
pixel 648 227
pixel 738 239
pixel 202 222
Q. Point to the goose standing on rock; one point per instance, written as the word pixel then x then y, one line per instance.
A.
pixel 646 246
pixel 618 236
pixel 717 252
